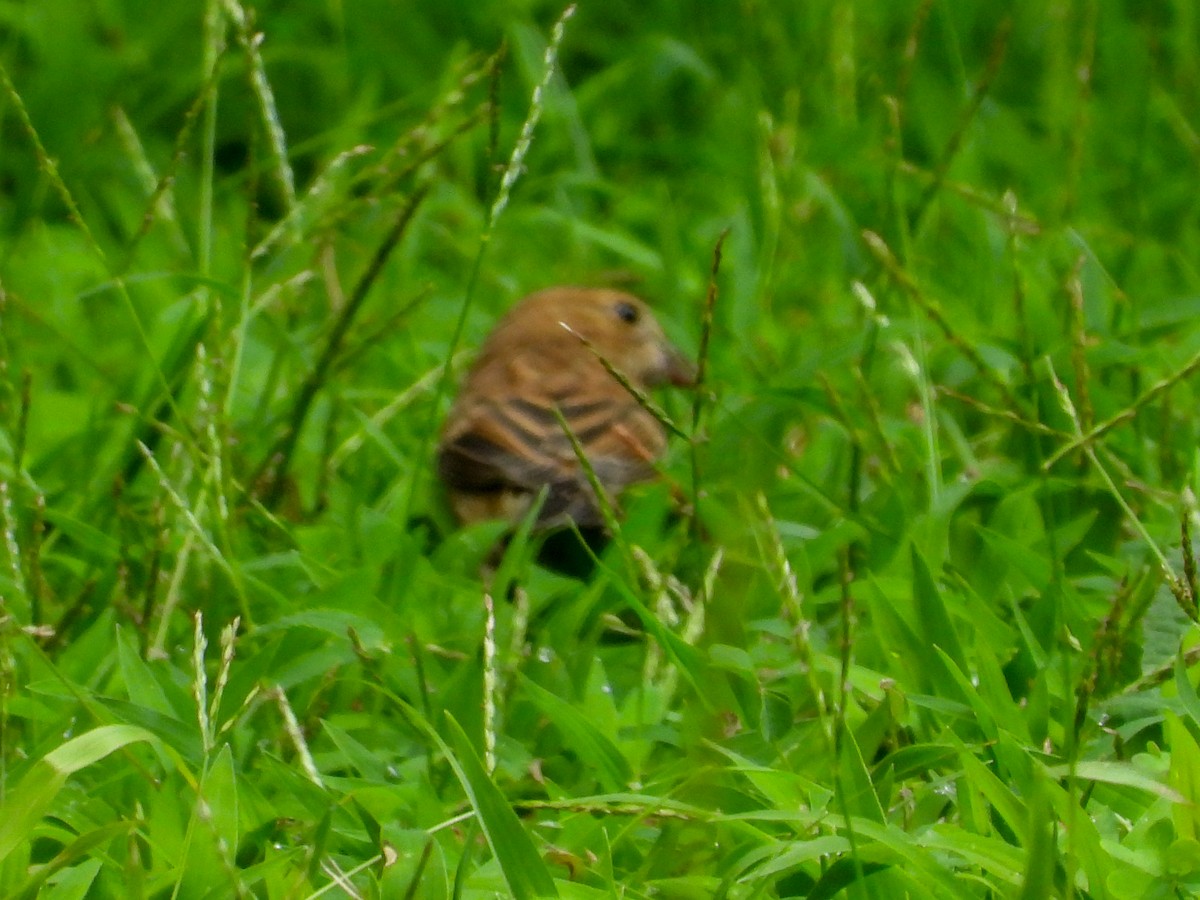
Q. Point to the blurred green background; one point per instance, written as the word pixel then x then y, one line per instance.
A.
pixel 892 644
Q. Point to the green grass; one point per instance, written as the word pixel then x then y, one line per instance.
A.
pixel 926 626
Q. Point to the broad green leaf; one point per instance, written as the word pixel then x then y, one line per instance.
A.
pixel 842 874
pixel 858 795
pixel 880 723
pixel 143 688
pixel 368 764
pixel 1034 566
pixel 781 858
pixel 1040 847
pixel 1083 842
pixel 182 737
pixel 526 874
pixel 100 543
pixel 77 850
pixel 1183 857
pixel 1187 691
pixel 991 854
pixel 935 624
pixel 220 793
pixel 74 883
pixel 592 745
pixel 690 661
pixel 888 843
pixel 335 622
pixel 898 638
pixel 779 789
pixel 26 803
pixel 983 716
pixel 917 760
pixel 1004 801
pixel 1120 773
pixel 994 693
pixel 1184 777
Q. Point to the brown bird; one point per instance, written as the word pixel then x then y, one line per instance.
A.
pixel 503 442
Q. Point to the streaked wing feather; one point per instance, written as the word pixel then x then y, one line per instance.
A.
pixel 472 462
pixel 518 443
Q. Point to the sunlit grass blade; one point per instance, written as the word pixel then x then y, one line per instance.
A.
pixel 524 871
pixel 31 797
pixel 592 745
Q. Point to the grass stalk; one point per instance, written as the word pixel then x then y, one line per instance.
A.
pixel 508 180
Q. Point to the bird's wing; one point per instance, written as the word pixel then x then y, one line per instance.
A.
pixel 518 444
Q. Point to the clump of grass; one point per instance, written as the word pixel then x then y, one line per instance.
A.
pixel 929 628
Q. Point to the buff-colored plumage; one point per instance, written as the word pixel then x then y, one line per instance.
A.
pixel 503 442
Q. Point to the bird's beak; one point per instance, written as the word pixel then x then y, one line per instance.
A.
pixel 680 371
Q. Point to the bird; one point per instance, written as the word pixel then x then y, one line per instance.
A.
pixel 503 442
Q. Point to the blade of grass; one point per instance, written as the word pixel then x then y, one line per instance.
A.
pixel 32 796
pixel 524 871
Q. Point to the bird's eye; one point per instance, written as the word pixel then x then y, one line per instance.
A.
pixel 627 313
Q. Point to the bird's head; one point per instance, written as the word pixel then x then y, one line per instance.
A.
pixel 618 326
